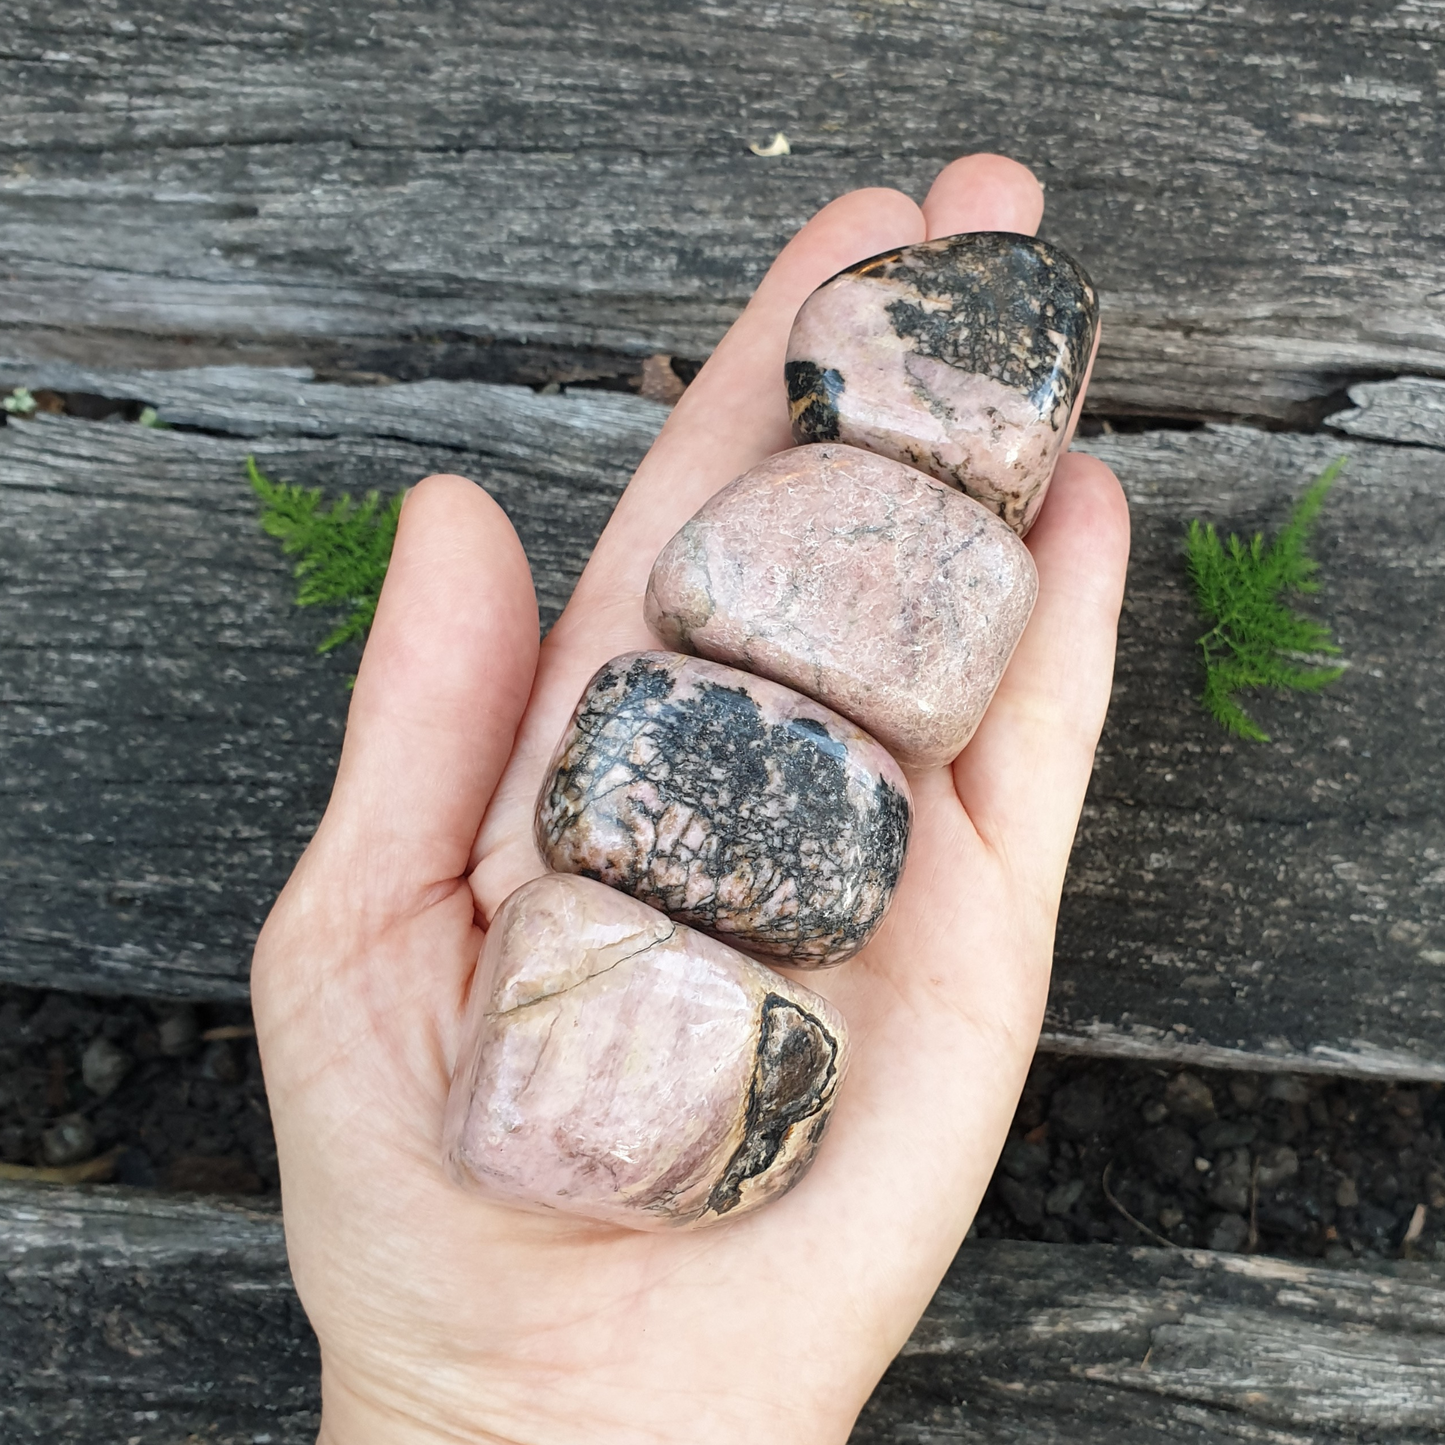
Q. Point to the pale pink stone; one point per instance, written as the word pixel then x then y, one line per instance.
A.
pixel 963 356
pixel 623 1067
pixel 880 592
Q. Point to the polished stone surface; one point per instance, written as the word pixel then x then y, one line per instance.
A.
pixel 884 594
pixel 731 803
pixel 963 356
pixel 618 1065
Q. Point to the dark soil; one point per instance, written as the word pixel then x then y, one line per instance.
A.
pixel 1283 1164
pixel 158 1096
pixel 165 1106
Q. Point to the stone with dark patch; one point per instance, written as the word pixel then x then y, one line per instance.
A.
pixel 964 356
pixel 731 803
pixel 622 1067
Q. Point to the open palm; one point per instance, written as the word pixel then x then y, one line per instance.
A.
pixel 444 1316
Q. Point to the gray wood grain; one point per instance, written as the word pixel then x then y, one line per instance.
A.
pixel 169 735
pixel 1283 903
pixel 131 1318
pixel 1408 409
pixel 167 732
pixel 1097 1345
pixel 409 190
pixel 588 436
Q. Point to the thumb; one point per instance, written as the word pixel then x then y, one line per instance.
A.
pixel 442 687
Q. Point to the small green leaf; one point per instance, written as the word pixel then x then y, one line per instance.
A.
pixel 19 403
pixel 151 418
pixel 343 549
pixel 1255 640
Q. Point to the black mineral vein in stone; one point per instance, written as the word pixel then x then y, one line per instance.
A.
pixel 992 304
pixel 772 798
pixel 813 393
pixel 793 1078
pixel 1007 301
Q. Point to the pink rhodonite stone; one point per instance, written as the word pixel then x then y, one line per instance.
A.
pixel 878 591
pixel 964 357
pixel 733 804
pixel 620 1066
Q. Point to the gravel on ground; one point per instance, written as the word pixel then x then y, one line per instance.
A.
pixel 160 1097
pixel 170 1097
pixel 1305 1166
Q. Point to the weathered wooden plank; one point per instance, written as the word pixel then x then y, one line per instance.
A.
pixel 129 1317
pixel 590 437
pixel 132 1318
pixel 167 734
pixel 404 190
pixel 1097 1345
pixel 1409 409
pixel 1282 901
pixel 169 738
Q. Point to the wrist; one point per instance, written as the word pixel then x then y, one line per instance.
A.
pixel 352 1417
pixel 359 1417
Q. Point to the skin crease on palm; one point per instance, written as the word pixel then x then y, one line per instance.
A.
pixel 445 1317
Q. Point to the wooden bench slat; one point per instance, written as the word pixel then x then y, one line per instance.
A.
pixel 1098 1344
pixel 1257 198
pixel 127 1317
pixel 170 736
pixel 1273 904
pixel 1409 409
pixel 130 1317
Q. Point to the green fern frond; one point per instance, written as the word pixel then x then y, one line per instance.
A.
pixel 344 548
pixel 1255 639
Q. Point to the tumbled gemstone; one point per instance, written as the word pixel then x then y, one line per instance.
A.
pixel 878 591
pixel 963 357
pixel 731 803
pixel 618 1065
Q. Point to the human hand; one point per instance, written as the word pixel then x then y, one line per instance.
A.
pixel 444 1316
